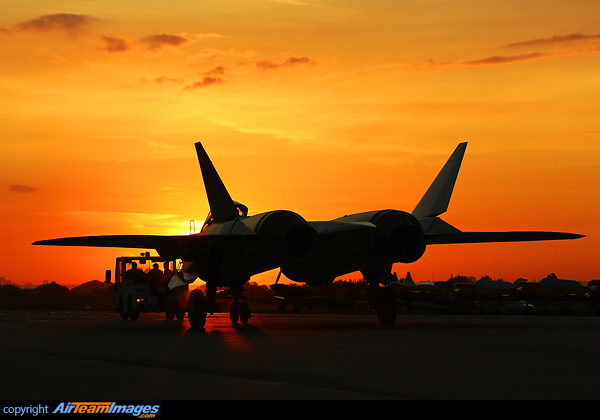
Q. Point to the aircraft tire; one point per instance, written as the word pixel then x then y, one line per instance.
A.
pixel 244 313
pixel 387 307
pixel 234 312
pixel 180 314
pixel 197 309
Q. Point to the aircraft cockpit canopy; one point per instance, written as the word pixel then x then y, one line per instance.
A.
pixel 242 209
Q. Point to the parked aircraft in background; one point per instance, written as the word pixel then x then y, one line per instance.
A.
pixel 426 295
pixel 520 306
pixel 486 291
pixel 594 295
pixel 232 246
pixel 552 288
pixel 300 297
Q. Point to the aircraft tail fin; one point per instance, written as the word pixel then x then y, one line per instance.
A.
pixel 436 199
pixel 408 280
pixel 221 205
pixel 435 202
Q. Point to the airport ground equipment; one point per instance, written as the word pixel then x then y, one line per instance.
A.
pixel 141 286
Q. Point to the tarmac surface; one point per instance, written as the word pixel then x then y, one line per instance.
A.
pixel 95 356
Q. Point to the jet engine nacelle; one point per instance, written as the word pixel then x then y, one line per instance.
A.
pixel 284 235
pixel 402 238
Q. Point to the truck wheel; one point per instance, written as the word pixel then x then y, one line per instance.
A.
pixel 124 314
pixel 197 309
pixel 133 314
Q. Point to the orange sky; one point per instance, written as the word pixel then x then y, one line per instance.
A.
pixel 322 107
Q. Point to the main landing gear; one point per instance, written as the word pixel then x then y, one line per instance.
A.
pixel 201 305
pixel 381 299
pixel 197 309
pixel 239 311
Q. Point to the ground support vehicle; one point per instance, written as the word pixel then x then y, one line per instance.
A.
pixel 141 286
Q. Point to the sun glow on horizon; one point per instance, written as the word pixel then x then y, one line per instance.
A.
pixel 324 109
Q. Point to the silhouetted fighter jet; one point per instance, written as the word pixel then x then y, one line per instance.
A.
pixel 232 246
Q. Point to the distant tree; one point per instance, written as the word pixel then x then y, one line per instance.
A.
pixel 52 296
pixel 463 279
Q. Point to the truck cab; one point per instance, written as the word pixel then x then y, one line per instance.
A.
pixel 141 286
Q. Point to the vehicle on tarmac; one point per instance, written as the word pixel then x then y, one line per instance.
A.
pixel 141 285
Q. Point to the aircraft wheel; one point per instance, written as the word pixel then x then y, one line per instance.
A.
pixel 234 312
pixel 387 307
pixel 180 314
pixel 197 309
pixel 244 313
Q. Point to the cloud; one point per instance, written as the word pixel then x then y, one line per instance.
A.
pixel 490 61
pixel 503 59
pixel 206 81
pixel 553 46
pixel 22 189
pixel 56 22
pixel 557 39
pixel 290 62
pixel 156 42
pixel 115 44
pixel 164 79
pixel 215 75
pixel 209 78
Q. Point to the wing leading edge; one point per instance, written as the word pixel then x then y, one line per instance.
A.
pixel 483 237
pixel 166 246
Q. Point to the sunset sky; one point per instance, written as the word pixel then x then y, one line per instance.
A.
pixel 322 107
